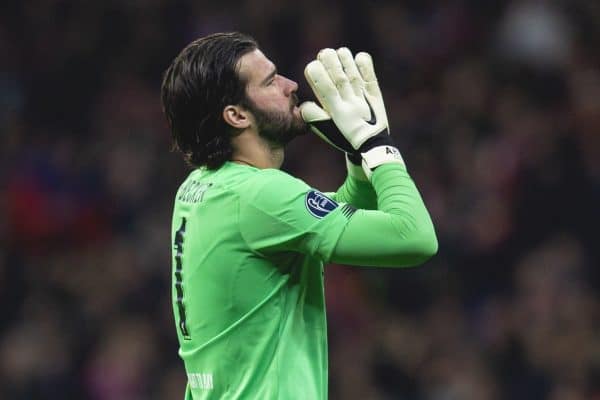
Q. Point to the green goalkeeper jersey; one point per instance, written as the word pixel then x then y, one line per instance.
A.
pixel 248 296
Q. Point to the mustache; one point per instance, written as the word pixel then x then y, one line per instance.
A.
pixel 294 100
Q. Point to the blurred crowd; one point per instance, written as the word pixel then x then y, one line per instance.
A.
pixel 495 106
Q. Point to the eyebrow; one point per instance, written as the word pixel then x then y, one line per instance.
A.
pixel 269 77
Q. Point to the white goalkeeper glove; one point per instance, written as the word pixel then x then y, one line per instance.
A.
pixel 353 117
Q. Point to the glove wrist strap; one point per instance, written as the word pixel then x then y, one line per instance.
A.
pixel 383 138
pixel 380 155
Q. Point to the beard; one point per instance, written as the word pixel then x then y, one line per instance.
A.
pixel 278 127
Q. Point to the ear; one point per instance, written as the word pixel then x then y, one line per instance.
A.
pixel 236 116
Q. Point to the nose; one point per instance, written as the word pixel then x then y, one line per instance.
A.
pixel 291 86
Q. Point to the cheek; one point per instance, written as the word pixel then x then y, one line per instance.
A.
pixel 271 98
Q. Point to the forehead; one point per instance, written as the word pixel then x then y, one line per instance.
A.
pixel 255 66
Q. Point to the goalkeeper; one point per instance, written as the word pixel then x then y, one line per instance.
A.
pixel 249 241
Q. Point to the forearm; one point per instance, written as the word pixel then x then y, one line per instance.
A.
pixel 357 190
pixel 399 233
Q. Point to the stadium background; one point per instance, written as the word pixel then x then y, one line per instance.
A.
pixel 495 106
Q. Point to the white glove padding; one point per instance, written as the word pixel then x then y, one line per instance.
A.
pixel 353 117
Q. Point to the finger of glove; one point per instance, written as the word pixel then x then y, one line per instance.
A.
pixel 322 85
pixel 364 63
pixel 311 112
pixel 330 60
pixel 351 70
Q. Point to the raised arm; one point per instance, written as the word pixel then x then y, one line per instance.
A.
pixel 399 232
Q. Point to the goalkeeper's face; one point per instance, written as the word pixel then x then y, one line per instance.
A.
pixel 272 99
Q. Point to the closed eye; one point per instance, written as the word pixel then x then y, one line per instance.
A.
pixel 270 78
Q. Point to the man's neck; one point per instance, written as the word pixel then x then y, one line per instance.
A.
pixel 251 149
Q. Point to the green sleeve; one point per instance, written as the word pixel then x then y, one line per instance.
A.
pixel 400 233
pixel 356 189
pixel 358 193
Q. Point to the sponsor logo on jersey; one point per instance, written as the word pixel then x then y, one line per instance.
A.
pixel 318 204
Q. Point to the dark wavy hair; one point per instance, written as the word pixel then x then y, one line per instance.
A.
pixel 196 87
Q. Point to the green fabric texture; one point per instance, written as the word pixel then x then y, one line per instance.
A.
pixel 400 233
pixel 248 248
